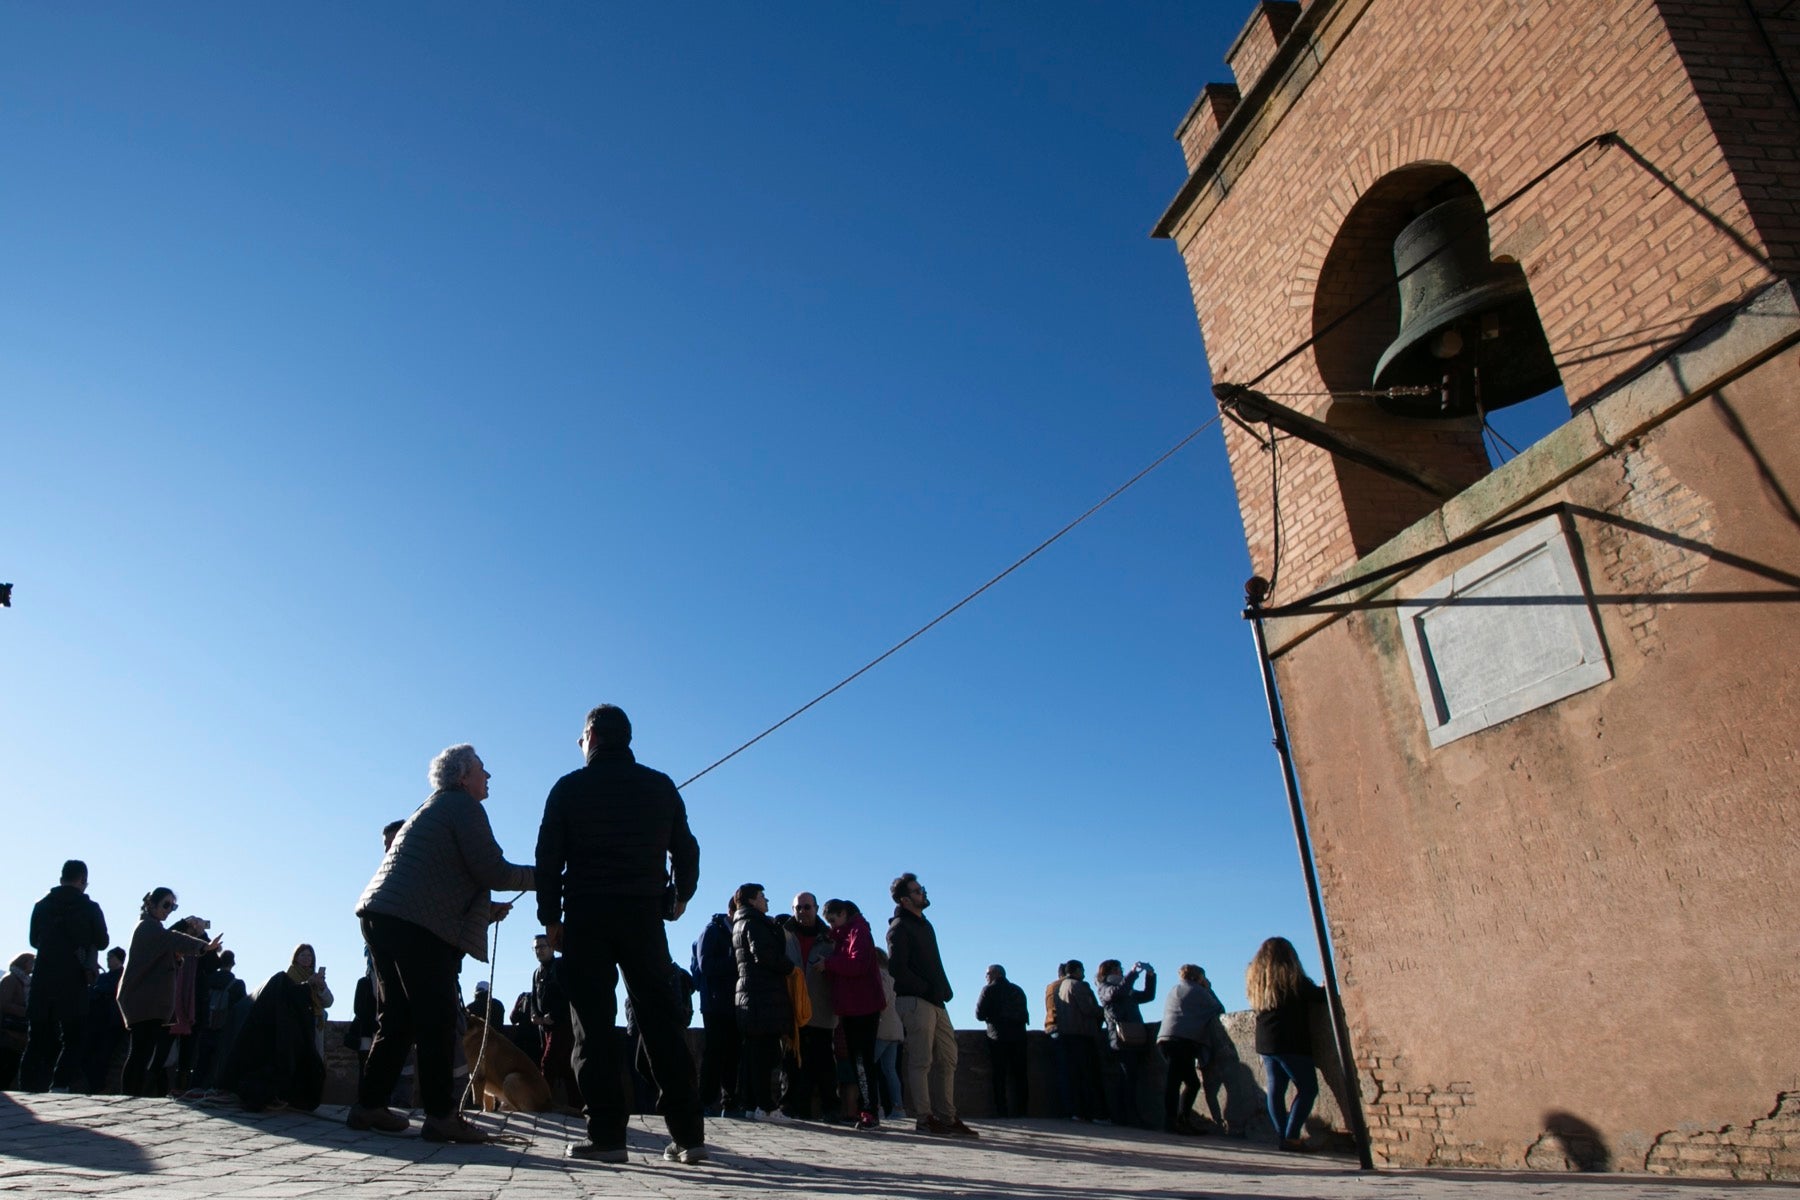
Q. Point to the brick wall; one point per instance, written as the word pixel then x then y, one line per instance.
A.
pixel 1250 54
pixel 1564 940
pixel 1743 57
pixel 1628 249
pixel 1767 1148
pixel 1200 128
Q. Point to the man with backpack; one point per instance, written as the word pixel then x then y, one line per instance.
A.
pixel 714 969
pixel 69 932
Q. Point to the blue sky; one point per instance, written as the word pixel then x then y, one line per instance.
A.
pixel 379 378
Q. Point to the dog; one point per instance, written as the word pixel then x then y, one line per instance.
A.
pixel 502 1073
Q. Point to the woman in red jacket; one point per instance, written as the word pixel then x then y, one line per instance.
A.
pixel 856 997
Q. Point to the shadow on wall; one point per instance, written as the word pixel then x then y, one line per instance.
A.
pixel 1245 1104
pixel 1243 1100
pixel 1569 1144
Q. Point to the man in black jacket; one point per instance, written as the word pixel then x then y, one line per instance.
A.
pixel 68 931
pixel 1002 1005
pixel 550 1013
pixel 105 1026
pixel 921 989
pixel 715 977
pixel 487 1008
pixel 614 840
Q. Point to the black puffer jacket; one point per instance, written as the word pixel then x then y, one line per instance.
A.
pixel 612 829
pixel 1002 1005
pixel 760 948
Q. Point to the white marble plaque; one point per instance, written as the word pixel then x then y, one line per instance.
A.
pixel 1512 631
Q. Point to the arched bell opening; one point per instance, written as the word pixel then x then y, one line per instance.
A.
pixel 1449 325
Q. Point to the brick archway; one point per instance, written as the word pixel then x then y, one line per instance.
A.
pixel 1358 266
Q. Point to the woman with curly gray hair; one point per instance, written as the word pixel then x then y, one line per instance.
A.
pixel 428 905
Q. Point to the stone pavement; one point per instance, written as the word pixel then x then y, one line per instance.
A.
pixel 111 1146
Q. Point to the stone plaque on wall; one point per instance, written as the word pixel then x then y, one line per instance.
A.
pixel 1512 631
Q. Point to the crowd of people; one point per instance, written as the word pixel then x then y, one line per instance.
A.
pixel 171 1006
pixel 805 1016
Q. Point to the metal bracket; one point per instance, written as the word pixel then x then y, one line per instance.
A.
pixel 1243 404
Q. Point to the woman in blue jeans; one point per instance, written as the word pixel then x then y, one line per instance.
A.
pixel 890 1034
pixel 1283 997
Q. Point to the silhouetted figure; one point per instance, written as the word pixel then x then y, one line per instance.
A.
pixel 550 1014
pixel 486 1007
pixel 147 990
pixel 521 1032
pixel 15 997
pixel 1002 1006
pixel 714 968
pixel 275 1060
pixel 223 991
pixel 428 905
pixel 613 841
pixel 105 1026
pixel 69 932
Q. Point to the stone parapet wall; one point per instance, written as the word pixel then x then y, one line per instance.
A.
pixel 1241 1096
pixel 1411 1121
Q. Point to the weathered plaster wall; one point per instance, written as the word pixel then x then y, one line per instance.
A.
pixel 1586 914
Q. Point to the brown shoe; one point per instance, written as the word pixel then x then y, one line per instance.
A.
pixel 960 1130
pixel 381 1120
pixel 453 1129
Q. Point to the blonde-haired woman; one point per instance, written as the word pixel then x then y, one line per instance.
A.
pixel 1283 997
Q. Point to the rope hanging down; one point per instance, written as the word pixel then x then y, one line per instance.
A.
pixel 1164 457
pixel 469 1092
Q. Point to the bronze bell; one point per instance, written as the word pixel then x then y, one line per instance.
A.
pixel 1468 328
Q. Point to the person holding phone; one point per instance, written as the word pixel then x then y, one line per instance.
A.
pixel 147 990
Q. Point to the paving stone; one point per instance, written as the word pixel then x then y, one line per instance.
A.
pixel 74 1146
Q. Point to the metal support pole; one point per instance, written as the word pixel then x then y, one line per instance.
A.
pixel 1255 592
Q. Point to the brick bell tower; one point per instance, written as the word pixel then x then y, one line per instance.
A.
pixel 1547 744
